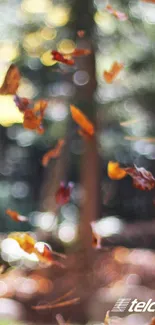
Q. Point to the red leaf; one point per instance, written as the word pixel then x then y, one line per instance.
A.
pixel 62 196
pixel 142 179
pixel 57 56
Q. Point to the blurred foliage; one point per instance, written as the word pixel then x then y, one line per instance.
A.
pixel 29 30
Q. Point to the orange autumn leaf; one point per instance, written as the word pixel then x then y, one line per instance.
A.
pixel 43 252
pixel 11 81
pixel 33 117
pixel 80 52
pixel 32 122
pixel 111 75
pixel 81 33
pixel 117 14
pixel 40 106
pixel 25 241
pixel 115 172
pixel 54 153
pixel 15 215
pixel 46 255
pixel 82 120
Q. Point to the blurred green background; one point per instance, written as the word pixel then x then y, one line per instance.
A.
pixel 29 30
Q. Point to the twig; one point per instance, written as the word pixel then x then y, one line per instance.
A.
pixel 61 304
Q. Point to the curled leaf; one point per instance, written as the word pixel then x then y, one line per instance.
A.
pixel 117 14
pixel 81 52
pixel 111 75
pixel 33 117
pixel 40 106
pixel 11 81
pixel 32 122
pixel 54 153
pixel 86 126
pixel 45 254
pixel 115 171
pixel 16 216
pixel 57 56
pixel 142 179
pixel 62 195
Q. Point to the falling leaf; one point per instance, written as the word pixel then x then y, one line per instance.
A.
pixel 62 195
pixel 25 241
pixel 57 56
pixel 115 171
pixel 11 81
pixel 117 14
pixel 33 117
pixel 32 122
pixel 82 120
pixel 22 103
pixel 16 216
pixel 81 33
pixel 142 179
pixel 40 106
pixel 45 254
pixel 80 52
pixel 111 75
pixel 54 153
